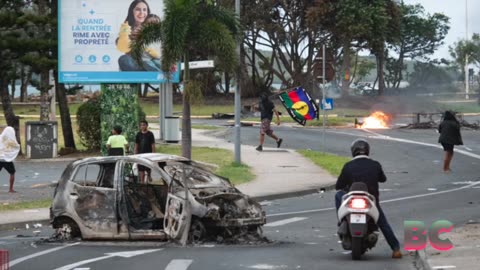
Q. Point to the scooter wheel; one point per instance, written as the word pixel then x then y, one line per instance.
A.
pixel 357 248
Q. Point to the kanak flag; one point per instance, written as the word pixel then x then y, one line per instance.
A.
pixel 299 105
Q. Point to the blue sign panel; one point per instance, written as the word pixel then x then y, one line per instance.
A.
pixel 327 104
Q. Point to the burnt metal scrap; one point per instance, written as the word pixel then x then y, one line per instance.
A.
pixel 475 125
pixel 104 198
pixel 434 125
pixel 421 125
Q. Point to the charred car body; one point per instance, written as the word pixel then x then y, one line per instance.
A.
pixel 102 198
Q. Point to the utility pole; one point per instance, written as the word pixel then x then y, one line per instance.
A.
pixel 467 86
pixel 323 96
pixel 237 95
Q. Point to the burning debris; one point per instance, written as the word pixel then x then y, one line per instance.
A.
pixel 377 120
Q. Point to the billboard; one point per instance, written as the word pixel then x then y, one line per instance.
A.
pixel 95 37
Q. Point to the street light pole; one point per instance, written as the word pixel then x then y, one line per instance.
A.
pixel 467 84
pixel 237 95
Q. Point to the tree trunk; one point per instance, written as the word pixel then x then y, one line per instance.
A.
pixel 13 88
pixel 68 137
pixel 26 77
pixel 145 90
pixel 381 78
pixel 227 83
pixel 399 76
pixel 186 121
pixel 44 97
pixel 139 90
pixel 346 69
pixel 10 117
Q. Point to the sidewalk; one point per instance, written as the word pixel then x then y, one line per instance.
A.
pixel 463 255
pixel 279 173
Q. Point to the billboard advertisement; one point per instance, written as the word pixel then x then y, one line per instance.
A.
pixel 95 38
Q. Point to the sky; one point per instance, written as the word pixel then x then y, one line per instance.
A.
pixel 455 10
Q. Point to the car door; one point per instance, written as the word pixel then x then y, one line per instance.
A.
pixel 141 205
pixel 93 197
pixel 178 212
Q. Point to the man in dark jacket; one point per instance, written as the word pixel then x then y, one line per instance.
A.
pixel 363 169
pixel 450 135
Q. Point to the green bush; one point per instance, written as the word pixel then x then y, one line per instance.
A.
pixel 88 120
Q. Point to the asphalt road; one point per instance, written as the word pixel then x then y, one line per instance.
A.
pixel 302 229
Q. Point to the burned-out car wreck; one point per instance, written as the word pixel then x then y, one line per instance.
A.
pixel 103 198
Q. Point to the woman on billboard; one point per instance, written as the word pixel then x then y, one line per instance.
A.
pixel 138 15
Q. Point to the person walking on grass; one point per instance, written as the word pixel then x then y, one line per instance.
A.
pixel 449 130
pixel 267 109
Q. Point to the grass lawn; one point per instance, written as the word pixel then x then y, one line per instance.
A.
pixel 227 167
pixel 148 107
pixel 331 163
pixel 79 146
pixel 206 127
pixel 331 121
pixel 26 205
pixel 467 107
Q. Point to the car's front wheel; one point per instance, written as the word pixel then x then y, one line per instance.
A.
pixel 197 231
pixel 66 229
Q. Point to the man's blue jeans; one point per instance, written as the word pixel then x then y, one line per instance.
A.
pixel 382 222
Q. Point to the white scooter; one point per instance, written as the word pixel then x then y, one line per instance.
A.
pixel 358 216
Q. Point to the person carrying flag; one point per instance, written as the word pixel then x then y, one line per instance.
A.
pixel 267 108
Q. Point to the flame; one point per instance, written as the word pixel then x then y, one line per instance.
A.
pixel 377 120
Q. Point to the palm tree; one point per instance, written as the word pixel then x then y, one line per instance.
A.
pixel 191 28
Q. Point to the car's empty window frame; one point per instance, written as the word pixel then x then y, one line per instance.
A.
pixel 100 173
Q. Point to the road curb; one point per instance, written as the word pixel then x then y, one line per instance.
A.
pixel 21 225
pixel 293 193
pixel 47 160
pixel 421 260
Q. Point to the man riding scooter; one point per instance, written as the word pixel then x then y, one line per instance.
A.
pixel 363 169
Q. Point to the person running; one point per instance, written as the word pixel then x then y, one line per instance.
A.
pixel 267 109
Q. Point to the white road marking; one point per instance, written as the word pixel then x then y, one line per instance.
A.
pixel 380 136
pixel 179 265
pixel 85 268
pixel 301 212
pixel 467 148
pixel 126 254
pixel 431 189
pixel 285 221
pixel 267 266
pixel 385 201
pixel 8 237
pixel 444 267
pixel 388 138
pixel 19 260
pixel 462 183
